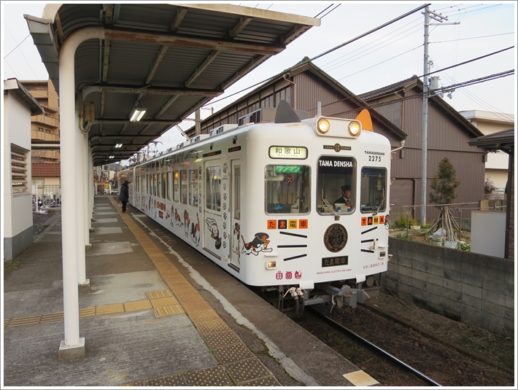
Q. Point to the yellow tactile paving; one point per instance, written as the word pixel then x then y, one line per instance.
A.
pixel 140 305
pixel 158 294
pixel 25 321
pixel 165 301
pixel 360 378
pixel 112 308
pixel 87 311
pixel 209 324
pixel 52 317
pixel 167 310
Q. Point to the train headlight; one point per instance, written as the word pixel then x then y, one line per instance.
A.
pixel 323 125
pixel 354 128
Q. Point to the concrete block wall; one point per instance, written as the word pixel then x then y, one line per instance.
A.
pixel 468 287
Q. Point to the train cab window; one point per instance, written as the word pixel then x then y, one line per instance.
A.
pixel 183 186
pixel 336 187
pixel 287 189
pixel 373 190
pixel 213 188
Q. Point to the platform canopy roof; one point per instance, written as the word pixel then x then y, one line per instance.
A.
pixel 166 59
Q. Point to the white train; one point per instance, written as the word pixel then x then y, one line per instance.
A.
pixel 262 201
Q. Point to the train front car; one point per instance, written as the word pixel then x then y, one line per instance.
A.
pixel 317 203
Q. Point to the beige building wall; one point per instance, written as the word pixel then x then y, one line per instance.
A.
pixel 497 163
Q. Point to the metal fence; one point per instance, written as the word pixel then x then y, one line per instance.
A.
pixel 461 211
pixel 45 197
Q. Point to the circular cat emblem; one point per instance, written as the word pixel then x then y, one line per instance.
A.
pixel 335 237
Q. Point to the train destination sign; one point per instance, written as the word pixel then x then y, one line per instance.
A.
pixel 288 152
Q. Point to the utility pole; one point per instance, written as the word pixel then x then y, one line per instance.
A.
pixel 424 129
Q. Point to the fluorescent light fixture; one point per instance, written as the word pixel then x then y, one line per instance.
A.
pixel 112 156
pixel 137 114
pixel 118 146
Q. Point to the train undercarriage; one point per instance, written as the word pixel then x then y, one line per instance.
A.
pixel 336 294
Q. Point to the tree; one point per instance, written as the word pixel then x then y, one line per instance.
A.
pixel 444 184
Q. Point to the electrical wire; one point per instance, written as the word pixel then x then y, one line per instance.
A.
pixel 379 63
pixel 468 61
pixel 476 37
pixel 17 46
pixel 326 52
pixel 325 9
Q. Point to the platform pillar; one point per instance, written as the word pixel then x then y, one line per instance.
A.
pixel 68 148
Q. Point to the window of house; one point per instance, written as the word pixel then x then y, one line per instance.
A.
pixel 19 182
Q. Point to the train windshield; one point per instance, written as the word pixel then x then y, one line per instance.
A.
pixel 373 191
pixel 287 189
pixel 335 185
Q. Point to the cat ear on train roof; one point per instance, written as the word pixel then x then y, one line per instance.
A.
pixel 364 117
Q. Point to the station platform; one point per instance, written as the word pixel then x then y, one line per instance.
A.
pixel 156 313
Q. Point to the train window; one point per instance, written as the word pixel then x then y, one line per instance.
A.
pixel 153 177
pixel 164 185
pixel 159 184
pixel 373 190
pixel 213 187
pixel 236 195
pixel 169 185
pixel 193 187
pixel 176 186
pixel 183 186
pixel 335 185
pixel 287 189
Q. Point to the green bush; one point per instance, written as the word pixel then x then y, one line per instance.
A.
pixel 404 221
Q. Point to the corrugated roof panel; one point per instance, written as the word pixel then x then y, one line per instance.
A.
pixel 141 57
pixel 75 16
pixel 259 31
pixel 154 103
pixel 178 65
pixel 197 46
pixel 222 68
pixel 118 105
pixel 207 24
pixel 180 106
pixel 143 17
pixel 87 58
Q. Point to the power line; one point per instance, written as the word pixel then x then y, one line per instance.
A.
pixel 305 61
pixel 369 32
pixel 324 10
pixel 17 46
pixel 330 11
pixel 468 61
pixel 379 63
pixel 360 53
pixel 476 37
pixel 467 83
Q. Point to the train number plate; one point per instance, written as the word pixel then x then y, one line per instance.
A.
pixel 334 261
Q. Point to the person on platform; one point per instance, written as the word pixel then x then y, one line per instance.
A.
pixel 124 195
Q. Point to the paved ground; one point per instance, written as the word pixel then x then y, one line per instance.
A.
pixel 156 313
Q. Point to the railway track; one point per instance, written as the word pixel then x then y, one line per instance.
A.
pixel 377 349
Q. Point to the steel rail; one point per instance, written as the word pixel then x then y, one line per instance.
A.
pixel 379 350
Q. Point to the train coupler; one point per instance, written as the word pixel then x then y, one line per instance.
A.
pixel 346 295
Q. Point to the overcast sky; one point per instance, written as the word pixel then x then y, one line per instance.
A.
pixel 390 55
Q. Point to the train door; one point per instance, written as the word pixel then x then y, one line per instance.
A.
pixel 235 214
pixel 213 213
